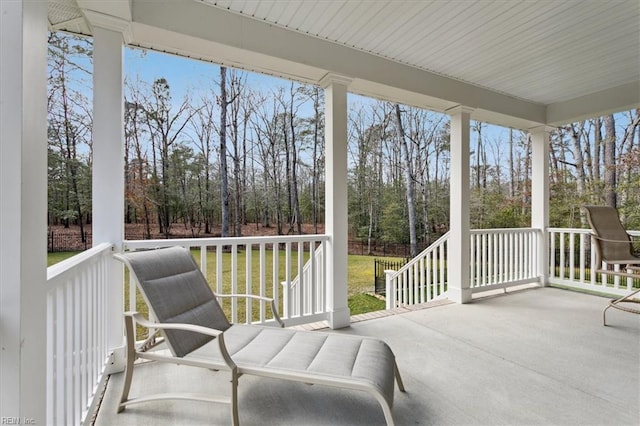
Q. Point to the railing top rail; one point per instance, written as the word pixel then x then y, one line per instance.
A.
pixel 502 230
pixel 572 230
pixel 57 272
pixel 227 241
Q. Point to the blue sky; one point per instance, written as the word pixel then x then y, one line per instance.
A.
pixel 183 74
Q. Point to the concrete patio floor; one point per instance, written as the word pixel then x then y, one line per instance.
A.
pixel 538 356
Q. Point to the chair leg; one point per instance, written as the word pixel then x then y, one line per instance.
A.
pixel 131 357
pixel 614 304
pixel 604 315
pixel 396 372
pixel 235 421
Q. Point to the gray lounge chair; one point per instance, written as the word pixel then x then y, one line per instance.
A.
pixel 614 247
pixel 198 334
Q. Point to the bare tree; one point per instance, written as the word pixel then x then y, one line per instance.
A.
pixel 409 182
pixel 224 172
pixel 165 125
pixel 203 125
pixel 240 111
pixel 314 93
pixel 610 195
pixel 137 165
pixel 267 125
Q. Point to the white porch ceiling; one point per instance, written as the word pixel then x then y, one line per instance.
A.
pixel 517 62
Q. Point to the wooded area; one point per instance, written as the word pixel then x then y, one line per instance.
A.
pixel 237 153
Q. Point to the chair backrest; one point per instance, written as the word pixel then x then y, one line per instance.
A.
pixel 176 291
pixel 605 224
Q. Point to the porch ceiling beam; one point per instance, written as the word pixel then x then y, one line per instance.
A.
pixel 608 101
pixel 260 46
pixel 75 23
pixel 120 9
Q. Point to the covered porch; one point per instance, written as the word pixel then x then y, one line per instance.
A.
pixel 62 327
pixel 530 356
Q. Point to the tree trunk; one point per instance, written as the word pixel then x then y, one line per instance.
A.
pixel 578 157
pixel 410 190
pixel 610 196
pixel 224 182
pixel 294 165
pixel 512 174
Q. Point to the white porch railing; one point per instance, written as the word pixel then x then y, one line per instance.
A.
pixel 503 257
pixel 422 279
pixel 499 258
pixel 572 260
pixel 258 265
pixel 303 296
pixel 77 346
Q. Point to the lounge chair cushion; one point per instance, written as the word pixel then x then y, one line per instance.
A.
pixel 285 353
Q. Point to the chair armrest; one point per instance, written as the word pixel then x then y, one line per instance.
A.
pixel 218 334
pixel 139 319
pixel 271 301
pixel 612 241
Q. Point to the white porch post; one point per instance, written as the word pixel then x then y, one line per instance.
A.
pixel 108 164
pixel 23 210
pixel 459 245
pixel 540 195
pixel 336 197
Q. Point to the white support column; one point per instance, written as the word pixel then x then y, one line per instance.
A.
pixel 459 244
pixel 23 210
pixel 108 165
pixel 336 224
pixel 540 195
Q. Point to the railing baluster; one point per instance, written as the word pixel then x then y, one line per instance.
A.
pixel 301 280
pixel 234 282
pixel 430 266
pixel 276 278
pixel 422 280
pixel 572 248
pixel 313 282
pixel 248 283
pixel 287 274
pixel 410 281
pixel 562 256
pixel 203 259
pixel 219 269
pixel 552 254
pixel 263 280
pixel 491 272
pixel 442 268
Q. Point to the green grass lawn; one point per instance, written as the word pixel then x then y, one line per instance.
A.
pixel 360 273
pixel 53 258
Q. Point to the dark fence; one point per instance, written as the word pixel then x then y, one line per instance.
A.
pixel 68 241
pixel 381 265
